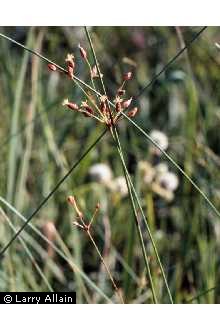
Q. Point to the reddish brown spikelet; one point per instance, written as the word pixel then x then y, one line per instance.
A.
pixel 83 53
pixel 121 92
pixel 133 112
pixel 51 67
pixel 127 76
pixel 97 206
pixel 94 72
pixel 70 60
pixel 118 103
pixel 70 105
pixel 89 110
pixel 72 201
pixel 126 103
pixel 103 106
pixel 70 70
pixel 118 107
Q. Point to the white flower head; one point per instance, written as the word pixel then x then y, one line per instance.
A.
pixel 161 139
pixel 161 168
pixel 147 171
pixel 119 185
pixel 168 180
pixel 100 173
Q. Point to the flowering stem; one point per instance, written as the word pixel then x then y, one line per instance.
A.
pixel 115 137
pixel 106 267
pixel 145 221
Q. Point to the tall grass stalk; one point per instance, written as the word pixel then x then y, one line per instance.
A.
pixel 145 220
pixel 14 122
pixel 137 221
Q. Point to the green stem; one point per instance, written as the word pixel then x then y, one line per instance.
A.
pixel 115 137
pixel 148 228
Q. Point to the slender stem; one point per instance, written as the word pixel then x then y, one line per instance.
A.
pixel 147 226
pixel 91 100
pixel 91 78
pixel 95 59
pixel 115 137
pixel 106 267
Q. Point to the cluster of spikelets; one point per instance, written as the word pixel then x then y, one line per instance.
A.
pixel 102 109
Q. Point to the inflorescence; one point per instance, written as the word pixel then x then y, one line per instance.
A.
pixel 101 110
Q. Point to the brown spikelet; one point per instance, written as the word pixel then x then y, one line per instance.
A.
pixel 83 53
pixel 51 67
pixel 127 76
pixel 133 112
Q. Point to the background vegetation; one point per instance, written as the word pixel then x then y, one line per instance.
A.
pixel 40 140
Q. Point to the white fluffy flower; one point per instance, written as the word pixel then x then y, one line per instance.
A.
pixel 168 180
pixel 161 139
pixel 147 171
pixel 100 173
pixel 161 168
pixel 119 185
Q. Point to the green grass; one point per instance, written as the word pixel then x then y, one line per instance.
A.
pixel 185 230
